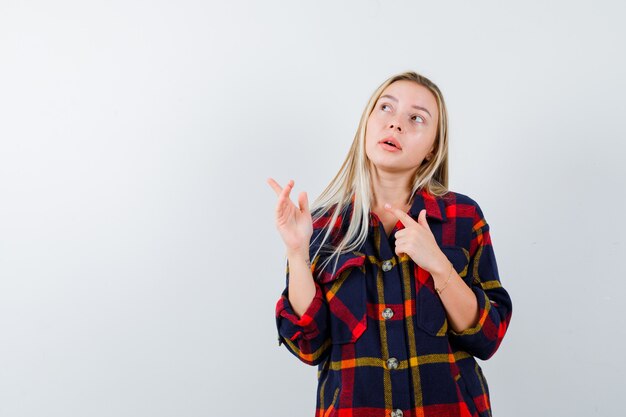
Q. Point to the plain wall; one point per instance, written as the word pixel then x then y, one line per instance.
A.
pixel 139 261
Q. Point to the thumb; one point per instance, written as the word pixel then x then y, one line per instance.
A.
pixel 421 219
pixel 303 200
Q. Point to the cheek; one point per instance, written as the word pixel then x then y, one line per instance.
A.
pixel 426 135
pixel 370 131
pixel 377 118
pixel 370 138
pixel 432 130
pixel 375 124
pixel 432 138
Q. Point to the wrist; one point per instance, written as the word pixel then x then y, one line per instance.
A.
pixel 298 254
pixel 440 282
pixel 298 257
pixel 441 269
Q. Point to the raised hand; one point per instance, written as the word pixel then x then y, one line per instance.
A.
pixel 294 224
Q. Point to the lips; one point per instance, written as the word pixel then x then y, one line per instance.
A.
pixel 391 141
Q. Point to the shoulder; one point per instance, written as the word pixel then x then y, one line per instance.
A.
pixel 456 197
pixel 463 206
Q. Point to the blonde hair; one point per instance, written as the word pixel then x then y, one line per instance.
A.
pixel 353 181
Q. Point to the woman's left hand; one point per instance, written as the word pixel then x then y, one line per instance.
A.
pixel 418 242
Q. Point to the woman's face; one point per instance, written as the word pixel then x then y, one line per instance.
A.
pixel 408 113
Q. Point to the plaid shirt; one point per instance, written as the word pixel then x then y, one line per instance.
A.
pixel 378 330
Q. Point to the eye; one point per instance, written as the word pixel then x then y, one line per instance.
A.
pixel 421 119
pixel 382 106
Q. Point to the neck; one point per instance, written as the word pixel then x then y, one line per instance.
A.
pixel 391 188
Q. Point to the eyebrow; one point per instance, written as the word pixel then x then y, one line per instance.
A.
pixel 415 107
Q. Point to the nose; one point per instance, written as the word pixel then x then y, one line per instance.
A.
pixel 396 125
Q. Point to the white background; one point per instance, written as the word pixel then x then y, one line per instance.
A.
pixel 139 261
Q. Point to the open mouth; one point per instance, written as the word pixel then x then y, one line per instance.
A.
pixel 389 146
pixel 390 142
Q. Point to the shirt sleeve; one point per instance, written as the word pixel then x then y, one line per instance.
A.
pixel 307 337
pixel 494 302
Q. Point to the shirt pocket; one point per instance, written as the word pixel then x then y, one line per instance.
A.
pixel 345 292
pixel 432 314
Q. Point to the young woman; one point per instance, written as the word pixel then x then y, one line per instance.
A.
pixel 403 291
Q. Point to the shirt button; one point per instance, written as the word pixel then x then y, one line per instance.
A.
pixel 392 363
pixel 387 266
pixel 397 413
pixel 387 313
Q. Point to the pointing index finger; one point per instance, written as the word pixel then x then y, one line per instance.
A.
pixel 401 215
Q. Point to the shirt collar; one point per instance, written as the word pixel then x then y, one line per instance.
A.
pixel 435 207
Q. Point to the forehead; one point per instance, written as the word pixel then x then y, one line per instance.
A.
pixel 412 93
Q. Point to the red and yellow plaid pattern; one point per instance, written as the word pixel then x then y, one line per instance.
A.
pixel 378 331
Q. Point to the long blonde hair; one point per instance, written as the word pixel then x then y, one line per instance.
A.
pixel 352 184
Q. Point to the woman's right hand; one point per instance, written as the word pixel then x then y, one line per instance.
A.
pixel 294 224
